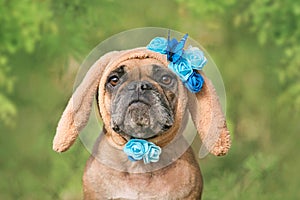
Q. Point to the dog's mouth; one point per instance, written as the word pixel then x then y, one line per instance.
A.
pixel 129 137
pixel 138 114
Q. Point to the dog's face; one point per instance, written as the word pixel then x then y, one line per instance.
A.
pixel 139 97
pixel 142 99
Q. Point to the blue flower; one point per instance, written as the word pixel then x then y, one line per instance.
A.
pixel 182 68
pixel 138 149
pixel 158 44
pixel 196 57
pixel 194 82
pixel 152 154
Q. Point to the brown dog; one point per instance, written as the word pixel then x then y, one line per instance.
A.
pixel 139 97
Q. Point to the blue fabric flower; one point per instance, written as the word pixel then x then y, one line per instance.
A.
pixel 194 82
pixel 196 57
pixel 182 68
pixel 158 44
pixel 138 149
pixel 152 155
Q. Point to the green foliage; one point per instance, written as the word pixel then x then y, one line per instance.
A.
pixel 7 108
pixel 21 24
pixel 277 22
pixel 254 43
pixel 207 8
pixel 244 182
pixel 21 27
pixel 272 21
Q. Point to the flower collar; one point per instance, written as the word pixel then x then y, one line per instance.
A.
pixel 184 63
pixel 138 149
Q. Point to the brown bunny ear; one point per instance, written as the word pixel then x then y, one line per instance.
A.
pixel 77 112
pixel 209 120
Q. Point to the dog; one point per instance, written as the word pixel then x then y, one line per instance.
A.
pixel 139 97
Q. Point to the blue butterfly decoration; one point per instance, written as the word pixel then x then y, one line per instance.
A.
pixel 175 48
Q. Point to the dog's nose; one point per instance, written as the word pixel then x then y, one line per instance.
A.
pixel 145 85
pixel 140 86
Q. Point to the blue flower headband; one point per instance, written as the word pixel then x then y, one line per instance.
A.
pixel 184 63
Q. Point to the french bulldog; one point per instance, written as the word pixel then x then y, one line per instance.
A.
pixel 139 97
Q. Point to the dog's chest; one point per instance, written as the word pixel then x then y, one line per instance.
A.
pixel 138 186
pixel 174 182
pixel 148 186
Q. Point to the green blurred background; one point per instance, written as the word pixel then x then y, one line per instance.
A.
pixel 255 44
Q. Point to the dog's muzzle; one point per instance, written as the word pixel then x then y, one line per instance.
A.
pixel 140 111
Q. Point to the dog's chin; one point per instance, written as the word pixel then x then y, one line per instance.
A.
pixel 137 136
pixel 139 132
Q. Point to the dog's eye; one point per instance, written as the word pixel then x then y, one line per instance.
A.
pixel 166 79
pixel 113 80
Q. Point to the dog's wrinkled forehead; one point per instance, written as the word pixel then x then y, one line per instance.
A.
pixel 139 67
pixel 141 70
pixel 132 63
